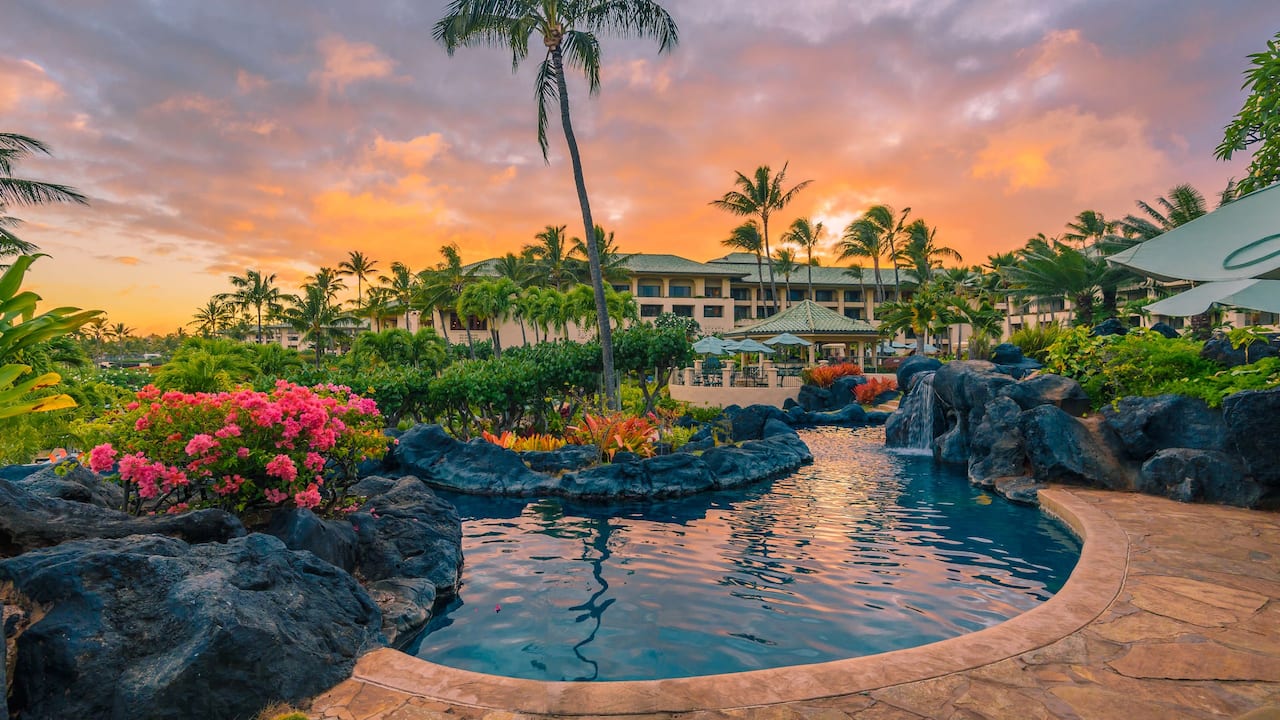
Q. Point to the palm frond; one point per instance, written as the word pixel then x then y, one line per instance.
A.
pixel 31 192
pixel 582 51
pixel 632 18
pixel 546 90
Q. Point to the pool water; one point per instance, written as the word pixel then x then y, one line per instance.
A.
pixel 863 552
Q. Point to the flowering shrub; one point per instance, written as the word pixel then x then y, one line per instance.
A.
pixel 238 450
pixel 867 392
pixel 511 441
pixel 824 375
pixel 616 431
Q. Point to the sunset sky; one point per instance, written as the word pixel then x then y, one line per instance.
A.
pixel 217 136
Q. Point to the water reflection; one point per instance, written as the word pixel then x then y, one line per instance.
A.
pixel 862 552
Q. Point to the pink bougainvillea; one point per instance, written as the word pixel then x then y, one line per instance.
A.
pixel 176 449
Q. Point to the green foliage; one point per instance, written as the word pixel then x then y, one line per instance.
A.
pixel 1261 375
pixel 1139 363
pixel 672 321
pixel 647 354
pixel 1248 335
pixel 1258 121
pixel 202 365
pixel 704 414
pixel 1036 339
pixel 677 436
pixel 424 350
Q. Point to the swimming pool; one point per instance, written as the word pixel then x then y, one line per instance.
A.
pixel 863 552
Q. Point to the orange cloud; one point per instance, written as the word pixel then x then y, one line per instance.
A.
pixel 23 81
pixel 348 62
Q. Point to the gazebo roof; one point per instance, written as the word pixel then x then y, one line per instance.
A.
pixel 807 318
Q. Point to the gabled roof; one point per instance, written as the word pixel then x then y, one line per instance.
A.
pixel 806 319
pixel 662 264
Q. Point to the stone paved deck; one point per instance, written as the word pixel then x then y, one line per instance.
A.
pixel 1174 612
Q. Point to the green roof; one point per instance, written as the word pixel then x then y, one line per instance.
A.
pixel 806 318
pixel 661 264
pixel 822 275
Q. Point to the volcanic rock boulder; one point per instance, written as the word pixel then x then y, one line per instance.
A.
pixel 333 541
pixel 748 422
pixel 1061 448
pixel 569 457
pixel 996 446
pixel 1253 431
pixel 74 482
pixel 476 467
pixel 1061 392
pixel 1190 475
pixel 656 477
pixel 151 627
pixel 1147 424
pixel 915 364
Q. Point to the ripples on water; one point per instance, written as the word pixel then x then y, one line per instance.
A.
pixel 863 552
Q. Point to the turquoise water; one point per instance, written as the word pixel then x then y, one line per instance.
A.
pixel 863 552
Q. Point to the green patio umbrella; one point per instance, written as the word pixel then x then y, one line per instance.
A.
pixel 787 339
pixel 710 345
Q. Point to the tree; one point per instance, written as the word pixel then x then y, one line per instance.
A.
pixel 440 287
pixel 1052 272
pixel 1258 121
pixel 922 253
pixel 11 244
pixel 316 316
pixel 1090 227
pixel 808 235
pixel 613 263
pixel 16 191
pixel 746 237
pixel 926 309
pixel 257 291
pixel 761 195
pixel 519 269
pixel 890 227
pixel 784 263
pixel 401 286
pixel 551 256
pixel 568 29
pixel 649 354
pixel 489 301
pixel 213 317
pixel 328 280
pixel 1183 204
pixel 360 266
pixel 862 238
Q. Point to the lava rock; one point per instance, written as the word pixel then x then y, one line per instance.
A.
pixel 851 415
pixel 813 398
pixel 703 433
pixel 965 385
pixel 1165 329
pixel 748 422
pixel 29 521
pixel 476 467
pixel 694 446
pixel 569 457
pixel 774 427
pixel 1253 431
pixel 406 605
pixel 877 417
pixel 1057 390
pixel 1110 326
pixel 409 531
pixel 1188 475
pixel 920 413
pixel 1061 448
pixel 151 627
pixel 786 407
pixel 756 460
pixel 625 457
pixel 333 541
pixel 842 391
pixel 1022 490
pixel 76 483
pixel 1219 350
pixel 996 447
pixel 1007 354
pixel 656 477
pixel 1147 424
pixel 915 364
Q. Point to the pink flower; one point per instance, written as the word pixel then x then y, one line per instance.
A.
pixel 228 485
pixel 275 496
pixel 308 498
pixel 314 462
pixel 200 444
pixel 132 406
pixel 142 423
pixel 102 457
pixel 179 508
pixel 282 466
pixel 242 453
pixel 229 430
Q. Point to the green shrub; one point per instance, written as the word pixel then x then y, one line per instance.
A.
pixel 1139 363
pixel 1261 375
pixel 1035 341
pixel 704 414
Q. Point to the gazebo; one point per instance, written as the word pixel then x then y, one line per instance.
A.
pixel 815 323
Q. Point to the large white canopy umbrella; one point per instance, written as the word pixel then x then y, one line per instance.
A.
pixel 1252 294
pixel 1238 241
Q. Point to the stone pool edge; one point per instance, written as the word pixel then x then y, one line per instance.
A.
pixel 1092 587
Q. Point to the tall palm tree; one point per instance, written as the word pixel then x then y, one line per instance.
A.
pixel 362 267
pixel 863 239
pixel 316 316
pixel 891 226
pixel 568 29
pixel 16 191
pixel 1090 227
pixel 519 269
pixel 257 291
pixel 746 237
pixel 441 287
pixel 490 301
pixel 1183 204
pixel 784 263
pixel 400 285
pixel 212 317
pixel 120 331
pixel 613 263
pixel 11 244
pixel 379 306
pixel 808 235
pixel 761 195
pixel 328 280
pixel 551 254
pixel 921 251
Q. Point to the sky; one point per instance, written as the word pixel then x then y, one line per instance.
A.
pixel 216 137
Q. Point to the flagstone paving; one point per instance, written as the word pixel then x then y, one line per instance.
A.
pixel 1178 611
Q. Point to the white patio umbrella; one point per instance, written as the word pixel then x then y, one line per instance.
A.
pixel 1238 241
pixel 1251 294
pixel 750 345
pixel 787 339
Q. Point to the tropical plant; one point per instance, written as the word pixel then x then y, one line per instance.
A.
pixel 613 263
pixel 1035 340
pixel 862 239
pixel 316 316
pixel 648 354
pixel 213 317
pixel 11 244
pixel 616 432
pixel 519 269
pixel 761 195
pixel 568 29
pixel 17 191
pixel 927 310
pixel 197 370
pixel 1057 271
pixel 551 257
pixel 361 267
pixel 825 375
pixel 440 288
pixel 20 327
pixel 867 392
pixel 536 442
pixel 396 347
pixel 808 235
pixel 490 301
pixel 784 264
pixel 1141 362
pixel 257 291
pixel 401 287
pixel 888 227
pixel 1090 227
pixel 921 253
pixel 746 237
pixel 681 323
pixel 1182 204
pixel 1258 122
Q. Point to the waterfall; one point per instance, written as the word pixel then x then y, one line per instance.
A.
pixel 921 422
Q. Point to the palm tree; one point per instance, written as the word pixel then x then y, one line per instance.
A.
pixel 440 288
pixel 1089 228
pixel 119 331
pixel 808 235
pixel 568 29
pixel 400 286
pixel 14 147
pixel 490 301
pixel 11 244
pixel 519 269
pixel 552 257
pixel 362 267
pixel 746 237
pixel 1052 272
pixel 922 253
pixel 1183 204
pixel 863 239
pixel 328 280
pixel 613 263
pixel 890 226
pixel 257 291
pixel 315 315
pixel 926 309
pixel 379 306
pixel 784 263
pixel 761 195
pixel 212 317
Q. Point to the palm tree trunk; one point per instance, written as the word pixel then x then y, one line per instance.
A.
pixel 593 252
pixel 773 284
pixel 259 324
pixel 493 336
pixel 524 339
pixel 810 273
pixel 875 261
pixel 759 282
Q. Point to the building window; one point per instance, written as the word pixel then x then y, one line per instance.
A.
pixel 768 294
pixel 682 310
pixel 713 311
pixel 796 295
pixel 740 293
pixel 622 288
pixel 853 313
pixel 473 322
pixel 824 295
pixel 650 310
pixel 649 290
pixel 764 311
pixel 680 291
pixel 741 313
pixel 713 291
pixel 852 296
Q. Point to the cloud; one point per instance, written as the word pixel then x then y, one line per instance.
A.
pixel 348 62
pixel 25 82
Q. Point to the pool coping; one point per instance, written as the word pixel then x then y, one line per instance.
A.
pixel 1094 584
